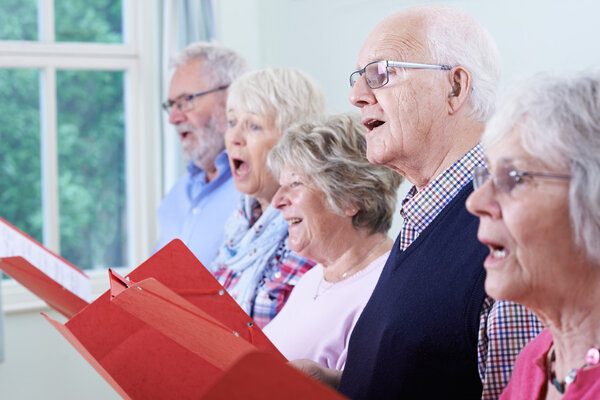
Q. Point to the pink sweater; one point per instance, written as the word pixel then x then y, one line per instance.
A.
pixel 529 380
pixel 319 329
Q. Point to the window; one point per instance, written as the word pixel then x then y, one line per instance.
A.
pixel 80 126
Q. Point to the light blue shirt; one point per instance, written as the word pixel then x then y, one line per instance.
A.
pixel 195 211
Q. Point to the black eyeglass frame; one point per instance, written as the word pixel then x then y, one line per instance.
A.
pixel 396 64
pixel 481 175
pixel 181 101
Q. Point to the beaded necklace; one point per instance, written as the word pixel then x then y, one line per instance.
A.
pixel 592 358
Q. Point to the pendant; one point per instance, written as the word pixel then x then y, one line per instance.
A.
pixel 570 378
pixel 592 357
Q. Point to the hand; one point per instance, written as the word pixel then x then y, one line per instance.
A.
pixel 328 376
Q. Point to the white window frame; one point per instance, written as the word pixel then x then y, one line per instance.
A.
pixel 139 58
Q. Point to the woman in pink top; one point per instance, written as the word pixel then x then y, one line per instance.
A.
pixel 339 208
pixel 539 207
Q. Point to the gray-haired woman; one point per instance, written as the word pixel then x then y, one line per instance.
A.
pixel 339 208
pixel 539 209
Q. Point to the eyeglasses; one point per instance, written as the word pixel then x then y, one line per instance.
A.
pixel 184 103
pixel 507 177
pixel 377 73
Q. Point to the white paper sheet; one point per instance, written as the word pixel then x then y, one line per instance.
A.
pixel 14 243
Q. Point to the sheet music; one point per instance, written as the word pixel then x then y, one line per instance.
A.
pixel 13 243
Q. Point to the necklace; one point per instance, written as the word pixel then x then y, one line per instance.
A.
pixel 592 357
pixel 346 273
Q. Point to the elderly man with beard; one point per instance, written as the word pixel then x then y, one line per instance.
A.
pixel 196 208
pixel 425 83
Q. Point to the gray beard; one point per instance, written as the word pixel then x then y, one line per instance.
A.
pixel 209 143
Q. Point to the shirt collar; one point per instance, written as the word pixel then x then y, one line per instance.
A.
pixel 221 162
pixel 420 207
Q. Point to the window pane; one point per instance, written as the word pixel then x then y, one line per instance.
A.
pixel 18 20
pixel 91 168
pixel 20 172
pixel 98 21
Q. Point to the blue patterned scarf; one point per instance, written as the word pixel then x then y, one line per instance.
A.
pixel 248 249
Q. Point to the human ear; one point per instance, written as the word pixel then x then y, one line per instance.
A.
pixel 460 88
pixel 352 211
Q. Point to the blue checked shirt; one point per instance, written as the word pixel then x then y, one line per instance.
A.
pixel 504 327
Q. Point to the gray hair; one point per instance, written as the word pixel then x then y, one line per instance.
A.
pixel 332 154
pixel 455 38
pixel 287 94
pixel 220 63
pixel 558 118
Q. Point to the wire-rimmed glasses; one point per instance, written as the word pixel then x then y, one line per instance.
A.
pixel 185 103
pixel 506 177
pixel 377 75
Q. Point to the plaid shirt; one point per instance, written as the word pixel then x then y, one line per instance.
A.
pixel 504 327
pixel 280 276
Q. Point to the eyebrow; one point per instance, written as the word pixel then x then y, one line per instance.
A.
pixel 180 96
pixel 520 163
pixel 371 60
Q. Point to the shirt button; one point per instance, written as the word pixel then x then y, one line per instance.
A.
pixel 277 275
pixel 195 211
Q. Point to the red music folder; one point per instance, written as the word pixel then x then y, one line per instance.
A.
pixel 259 376
pixel 142 362
pixel 182 322
pixel 60 284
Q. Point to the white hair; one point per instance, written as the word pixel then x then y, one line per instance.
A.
pixel 287 94
pixel 454 38
pixel 558 118
pixel 220 63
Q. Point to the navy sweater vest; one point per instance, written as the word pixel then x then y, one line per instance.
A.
pixel 417 336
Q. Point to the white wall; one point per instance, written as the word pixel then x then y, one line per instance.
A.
pixel 39 362
pixel 323 37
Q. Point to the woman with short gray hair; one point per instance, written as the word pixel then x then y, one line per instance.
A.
pixel 540 217
pixel 339 208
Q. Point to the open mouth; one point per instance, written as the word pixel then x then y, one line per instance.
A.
pixel 294 221
pixel 240 167
pixel 373 123
pixel 497 252
pixel 184 134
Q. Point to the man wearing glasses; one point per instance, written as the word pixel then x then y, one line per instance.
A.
pixel 196 208
pixel 425 86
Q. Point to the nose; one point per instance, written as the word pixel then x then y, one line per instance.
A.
pixel 176 116
pixel 482 202
pixel 361 94
pixel 280 199
pixel 234 136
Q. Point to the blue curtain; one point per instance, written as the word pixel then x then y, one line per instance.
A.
pixel 184 22
pixel 195 22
